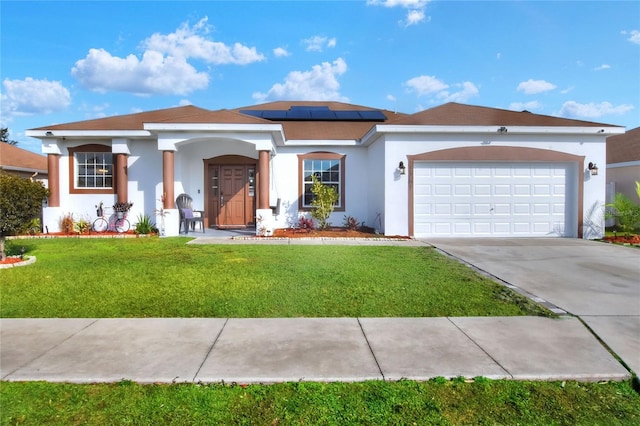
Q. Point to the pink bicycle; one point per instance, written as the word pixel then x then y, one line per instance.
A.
pixel 114 223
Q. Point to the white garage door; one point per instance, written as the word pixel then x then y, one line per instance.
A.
pixel 490 199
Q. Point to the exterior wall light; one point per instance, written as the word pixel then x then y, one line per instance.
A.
pixel 49 133
pixel 593 169
pixel 402 168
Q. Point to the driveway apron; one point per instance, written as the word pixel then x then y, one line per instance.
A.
pixel 595 281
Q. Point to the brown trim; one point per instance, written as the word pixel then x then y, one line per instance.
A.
pixel 121 177
pixel 72 170
pixel 53 172
pixel 321 155
pixel 168 179
pixel 263 179
pixel 507 154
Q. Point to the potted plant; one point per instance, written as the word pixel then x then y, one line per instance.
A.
pixel 121 207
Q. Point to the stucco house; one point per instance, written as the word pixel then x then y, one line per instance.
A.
pixel 450 171
pixel 623 163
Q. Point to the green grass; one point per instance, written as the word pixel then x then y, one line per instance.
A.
pixel 436 402
pixel 152 277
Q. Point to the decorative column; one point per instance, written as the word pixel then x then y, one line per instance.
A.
pixel 168 179
pixel 53 169
pixel 122 178
pixel 263 183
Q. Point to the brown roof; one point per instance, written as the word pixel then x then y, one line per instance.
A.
pixel 624 147
pixel 20 159
pixel 220 116
pixel 130 121
pixel 455 114
pixel 451 114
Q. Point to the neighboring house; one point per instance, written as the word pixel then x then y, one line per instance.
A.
pixel 23 163
pixel 623 164
pixel 450 171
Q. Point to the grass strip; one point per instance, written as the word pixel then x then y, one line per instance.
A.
pixel 152 277
pixel 436 402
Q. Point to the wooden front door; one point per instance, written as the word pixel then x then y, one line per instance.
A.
pixel 232 195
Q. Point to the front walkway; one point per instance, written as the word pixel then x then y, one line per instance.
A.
pixel 210 350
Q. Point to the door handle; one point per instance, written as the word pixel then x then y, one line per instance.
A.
pixel 221 199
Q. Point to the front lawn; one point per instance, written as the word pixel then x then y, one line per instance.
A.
pixel 152 277
pixel 436 402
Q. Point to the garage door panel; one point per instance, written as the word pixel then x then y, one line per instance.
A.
pixel 490 199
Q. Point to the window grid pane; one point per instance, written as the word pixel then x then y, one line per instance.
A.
pixel 327 171
pixel 94 169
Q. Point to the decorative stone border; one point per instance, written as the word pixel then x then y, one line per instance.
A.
pixel 28 261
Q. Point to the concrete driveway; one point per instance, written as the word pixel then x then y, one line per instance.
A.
pixel 598 282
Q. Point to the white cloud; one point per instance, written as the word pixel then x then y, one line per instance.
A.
pixel 531 87
pixel 567 90
pixel 415 14
pixel 31 96
pixel 592 110
pixel 281 52
pixel 413 17
pixel 391 98
pixel 190 42
pixel 521 106
pixel 184 102
pixel 634 36
pixel 320 84
pixel 318 43
pixel 153 74
pixel 407 4
pixel 602 67
pixel 467 91
pixel 425 85
pixel 163 67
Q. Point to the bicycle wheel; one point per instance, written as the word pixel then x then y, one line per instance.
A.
pixel 100 224
pixel 122 225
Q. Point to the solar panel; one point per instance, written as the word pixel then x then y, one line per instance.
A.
pixel 372 115
pixel 348 115
pixel 316 113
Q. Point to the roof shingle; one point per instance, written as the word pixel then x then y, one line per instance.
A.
pixel 624 147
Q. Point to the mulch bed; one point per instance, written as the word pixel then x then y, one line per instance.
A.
pixel 333 232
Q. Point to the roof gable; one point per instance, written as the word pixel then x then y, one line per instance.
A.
pixel 20 159
pixel 455 114
pixel 625 147
pixel 130 121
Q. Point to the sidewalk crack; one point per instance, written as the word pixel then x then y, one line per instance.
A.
pixel 210 349
pixel 371 349
pixel 481 348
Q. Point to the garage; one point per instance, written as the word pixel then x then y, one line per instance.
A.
pixel 493 199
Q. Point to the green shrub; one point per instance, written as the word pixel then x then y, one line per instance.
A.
pixel 324 200
pixel 81 226
pixel 144 225
pixel 625 212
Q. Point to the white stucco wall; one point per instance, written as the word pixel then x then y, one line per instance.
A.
pixel 376 185
pixel 284 183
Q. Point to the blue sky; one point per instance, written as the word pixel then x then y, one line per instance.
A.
pixel 70 61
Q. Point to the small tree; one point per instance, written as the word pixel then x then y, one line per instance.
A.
pixel 20 203
pixel 324 200
pixel 4 136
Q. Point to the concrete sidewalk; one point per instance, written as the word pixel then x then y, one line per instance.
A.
pixel 153 350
